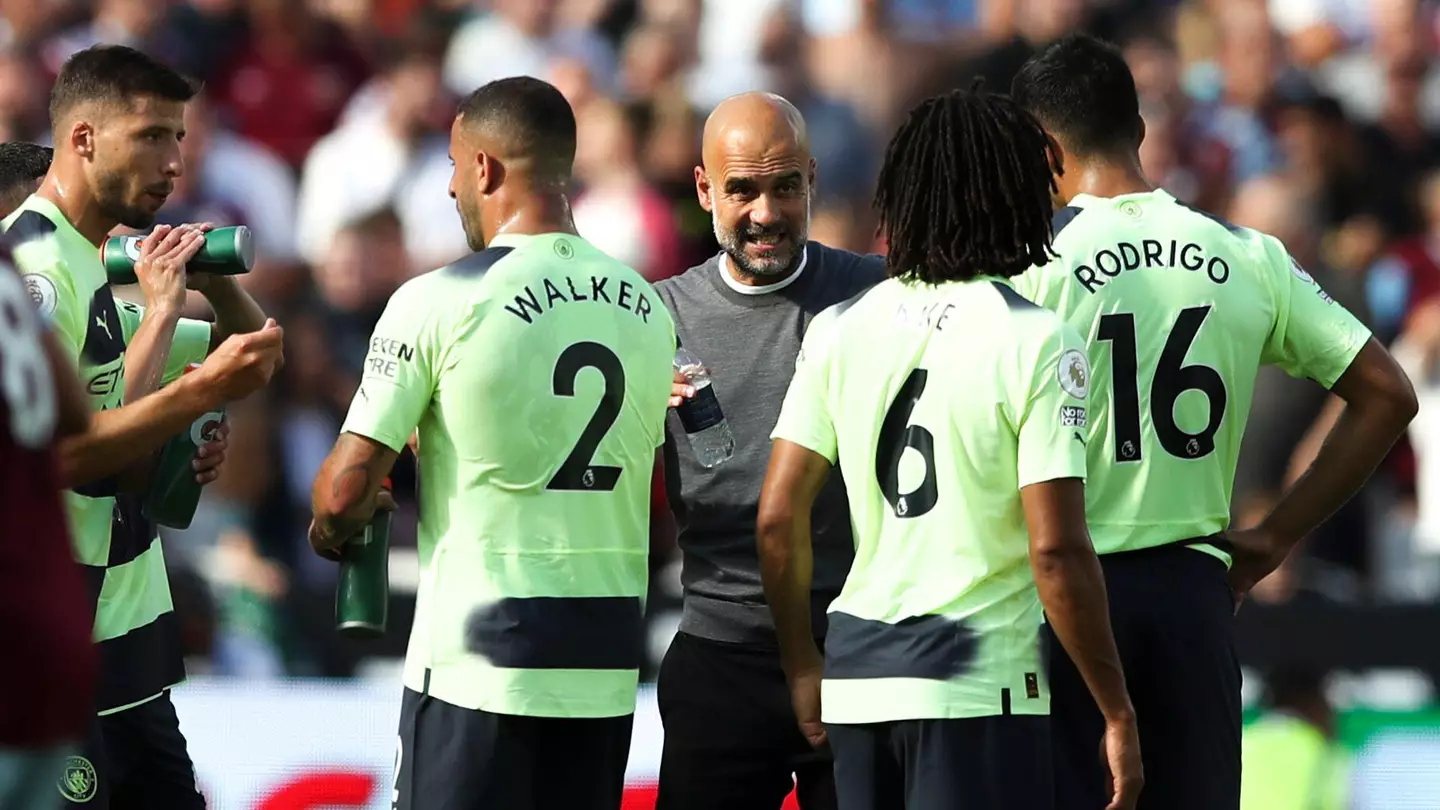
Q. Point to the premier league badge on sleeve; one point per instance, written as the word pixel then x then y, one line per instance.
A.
pixel 1074 373
pixel 42 293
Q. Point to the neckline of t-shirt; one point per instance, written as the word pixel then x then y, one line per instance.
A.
pixel 1082 200
pixel 723 268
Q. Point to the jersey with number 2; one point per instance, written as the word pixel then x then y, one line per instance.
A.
pixel 1180 309
pixel 538 372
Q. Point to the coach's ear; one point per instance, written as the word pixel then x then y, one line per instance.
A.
pixel 702 190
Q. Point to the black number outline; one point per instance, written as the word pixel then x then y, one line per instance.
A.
pixel 896 434
pixel 1172 378
pixel 577 474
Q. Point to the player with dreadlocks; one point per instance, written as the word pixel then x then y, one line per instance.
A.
pixel 966 489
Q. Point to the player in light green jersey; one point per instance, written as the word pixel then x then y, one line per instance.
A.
pixel 955 410
pixel 538 371
pixel 117 118
pixel 1180 309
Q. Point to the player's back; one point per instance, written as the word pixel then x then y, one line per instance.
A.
pixel 44 623
pixel 551 372
pixel 1179 310
pixel 931 389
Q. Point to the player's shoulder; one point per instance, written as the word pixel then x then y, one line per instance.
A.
pixel 845 271
pixel 1022 317
pixel 852 309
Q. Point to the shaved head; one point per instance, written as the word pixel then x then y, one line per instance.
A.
pixel 754 122
pixel 518 133
pixel 756 181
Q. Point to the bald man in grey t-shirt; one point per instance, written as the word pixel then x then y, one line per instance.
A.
pixel 731 740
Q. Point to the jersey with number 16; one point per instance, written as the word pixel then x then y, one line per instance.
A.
pixel 1180 310
pixel 538 372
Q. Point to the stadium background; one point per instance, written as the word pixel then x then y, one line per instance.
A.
pixel 323 128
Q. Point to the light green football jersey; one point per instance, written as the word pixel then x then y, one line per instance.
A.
pixel 538 372
pixel 134 619
pixel 940 402
pixel 1180 310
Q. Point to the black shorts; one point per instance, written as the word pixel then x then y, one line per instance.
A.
pixel 452 758
pixel 731 740
pixel 136 759
pixel 978 763
pixel 1172 612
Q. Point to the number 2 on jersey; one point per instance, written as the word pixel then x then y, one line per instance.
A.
pixel 896 434
pixel 577 473
pixel 1172 378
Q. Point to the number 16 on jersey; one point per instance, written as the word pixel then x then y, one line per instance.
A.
pixel 1172 379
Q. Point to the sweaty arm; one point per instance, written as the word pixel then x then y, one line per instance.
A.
pixel 395 392
pixel 1050 423
pixel 1317 338
pixel 346 490
pixel 804 450
pixel 236 312
pixel 190 341
pixel 120 437
pixel 1072 589
pixel 792 483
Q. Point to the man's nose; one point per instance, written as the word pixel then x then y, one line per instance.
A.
pixel 764 211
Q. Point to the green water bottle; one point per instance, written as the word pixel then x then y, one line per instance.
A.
pixel 227 252
pixel 362 599
pixel 174 493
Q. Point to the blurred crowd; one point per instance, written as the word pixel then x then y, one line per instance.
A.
pixel 324 127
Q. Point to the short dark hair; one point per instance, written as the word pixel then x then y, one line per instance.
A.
pixel 1082 91
pixel 532 118
pixel 965 189
pixel 22 164
pixel 115 74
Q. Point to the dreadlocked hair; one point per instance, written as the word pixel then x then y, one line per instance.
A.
pixel 965 189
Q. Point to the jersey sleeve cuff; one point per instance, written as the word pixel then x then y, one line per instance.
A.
pixel 385 437
pixel 825 450
pixel 1029 477
pixel 1347 357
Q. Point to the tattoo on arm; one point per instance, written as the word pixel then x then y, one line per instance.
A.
pixel 351 484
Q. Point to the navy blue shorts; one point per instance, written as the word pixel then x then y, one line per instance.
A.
pixel 978 763
pixel 1173 616
pixel 452 758
pixel 131 760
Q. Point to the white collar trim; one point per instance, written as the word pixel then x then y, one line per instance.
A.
pixel 727 273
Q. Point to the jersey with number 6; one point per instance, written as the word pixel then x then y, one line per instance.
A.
pixel 1180 310
pixel 539 374
pixel 940 402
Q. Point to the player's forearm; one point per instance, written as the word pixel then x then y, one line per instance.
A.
pixel 236 313
pixel 120 438
pixel 1360 439
pixel 1072 590
pixel 786 572
pixel 341 504
pixel 149 351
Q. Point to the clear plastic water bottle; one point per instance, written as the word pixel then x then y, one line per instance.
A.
pixel 701 416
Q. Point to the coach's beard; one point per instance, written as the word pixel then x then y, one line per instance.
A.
pixel 733 242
